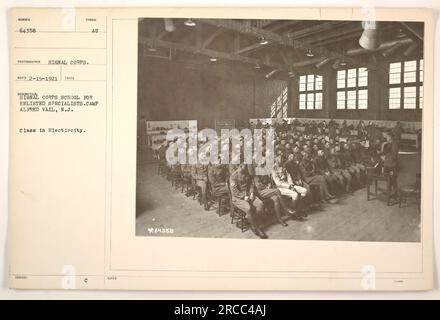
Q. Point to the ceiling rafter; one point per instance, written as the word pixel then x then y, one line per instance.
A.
pixel 283 24
pixel 212 37
pixel 414 33
pixel 283 40
pixel 265 61
pixel 312 30
pixel 331 36
pixel 209 52
pixel 250 48
pixel 339 38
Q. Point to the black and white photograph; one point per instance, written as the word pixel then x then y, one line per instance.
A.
pixel 279 129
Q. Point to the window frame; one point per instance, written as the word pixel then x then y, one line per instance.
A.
pixel 417 84
pixel 280 106
pixel 357 88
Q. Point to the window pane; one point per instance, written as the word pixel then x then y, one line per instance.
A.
pixel 363 94
pixel 341 79
pixel 318 83
pixel 351 99
pixel 410 71
pixel 409 98
pixel 409 77
pixel 394 98
pixel 421 97
pixel 363 104
pixel 395 67
pixel 363 77
pixel 395 72
pixel 318 101
pixel 302 83
pixel 273 111
pixel 421 71
pixel 410 65
pixel 362 99
pixel 310 82
pixel 284 111
pixel 302 101
pixel 310 101
pixel 351 78
pixel 340 100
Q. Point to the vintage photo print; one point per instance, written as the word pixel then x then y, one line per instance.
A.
pixel 279 129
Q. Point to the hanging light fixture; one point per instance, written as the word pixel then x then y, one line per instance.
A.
pixel 400 34
pixel 190 23
pixel 257 66
pixel 291 74
pixel 213 59
pixel 263 41
pixel 152 48
pixel 310 53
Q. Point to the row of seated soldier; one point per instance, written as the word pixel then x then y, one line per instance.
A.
pixel 310 167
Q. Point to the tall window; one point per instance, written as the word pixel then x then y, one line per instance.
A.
pixel 352 89
pixel 406 85
pixel 310 92
pixel 278 109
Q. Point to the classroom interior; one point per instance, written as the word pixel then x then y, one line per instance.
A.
pixel 231 73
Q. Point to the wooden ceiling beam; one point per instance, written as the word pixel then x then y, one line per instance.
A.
pixel 330 36
pixel 283 24
pixel 312 30
pixel 340 38
pixel 212 37
pixel 283 40
pixel 209 52
pixel 250 48
pixel 414 33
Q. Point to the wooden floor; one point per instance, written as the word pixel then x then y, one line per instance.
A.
pixel 161 209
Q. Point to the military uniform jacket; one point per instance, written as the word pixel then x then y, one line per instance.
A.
pixel 217 175
pixel 262 182
pixel 322 165
pixel 199 172
pixel 241 185
pixel 307 168
pixel 334 162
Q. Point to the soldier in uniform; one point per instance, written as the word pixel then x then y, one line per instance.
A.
pixel 309 173
pixel 349 163
pixel 323 168
pixel 199 173
pixel 218 178
pixel 244 198
pixel 265 191
pixel 343 176
pixel 292 168
pixel 285 184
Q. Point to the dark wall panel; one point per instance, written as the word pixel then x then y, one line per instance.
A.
pixel 171 91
